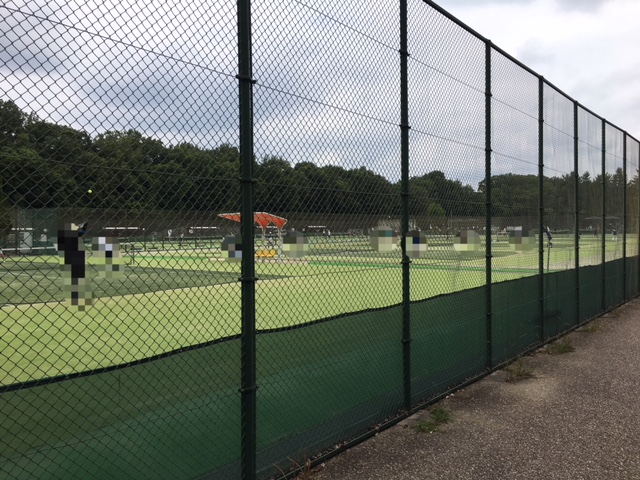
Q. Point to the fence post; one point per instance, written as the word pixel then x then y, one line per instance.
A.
pixel 604 216
pixel 406 262
pixel 248 280
pixel 576 201
pixel 541 203
pixel 624 215
pixel 487 161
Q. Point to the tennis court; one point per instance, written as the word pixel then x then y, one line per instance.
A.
pixel 165 301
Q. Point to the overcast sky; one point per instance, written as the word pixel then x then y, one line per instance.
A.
pixel 587 48
pixel 327 76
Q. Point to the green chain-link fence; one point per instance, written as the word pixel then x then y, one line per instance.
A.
pixel 236 237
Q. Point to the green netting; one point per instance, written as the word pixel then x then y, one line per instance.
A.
pixel 325 381
pixel 449 341
pixel 176 417
pixel 614 283
pixel 560 302
pixel 632 277
pixel 590 292
pixel 516 317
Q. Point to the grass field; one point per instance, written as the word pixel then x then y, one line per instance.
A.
pixel 168 300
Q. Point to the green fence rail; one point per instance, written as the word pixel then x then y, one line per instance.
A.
pixel 234 238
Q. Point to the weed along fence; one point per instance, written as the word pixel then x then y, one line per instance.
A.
pixel 235 237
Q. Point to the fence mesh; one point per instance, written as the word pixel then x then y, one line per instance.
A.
pixel 318 122
pixel 559 213
pixel 388 268
pixel 122 363
pixel 446 151
pixel 631 230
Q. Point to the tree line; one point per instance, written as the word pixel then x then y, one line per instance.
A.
pixel 46 165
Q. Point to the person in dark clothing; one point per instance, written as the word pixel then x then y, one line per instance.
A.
pixel 71 248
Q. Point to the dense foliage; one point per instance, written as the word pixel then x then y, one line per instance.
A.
pixel 48 165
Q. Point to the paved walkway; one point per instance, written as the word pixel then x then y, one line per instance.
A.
pixel 577 418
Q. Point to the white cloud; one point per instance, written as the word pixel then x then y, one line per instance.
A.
pixel 587 48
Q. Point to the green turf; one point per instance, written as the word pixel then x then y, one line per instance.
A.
pixel 44 285
pixel 169 301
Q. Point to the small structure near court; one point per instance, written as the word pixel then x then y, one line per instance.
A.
pixel 270 247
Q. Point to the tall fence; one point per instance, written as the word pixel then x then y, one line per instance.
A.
pixel 236 237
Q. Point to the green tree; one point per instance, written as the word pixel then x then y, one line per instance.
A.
pixel 435 210
pixel 275 187
pixel 12 121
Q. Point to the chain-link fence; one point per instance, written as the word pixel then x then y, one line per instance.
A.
pixel 238 237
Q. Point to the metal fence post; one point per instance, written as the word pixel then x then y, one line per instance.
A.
pixel 248 279
pixel 489 320
pixel 624 215
pixel 604 215
pixel 541 202
pixel 576 201
pixel 406 262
